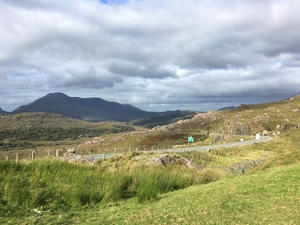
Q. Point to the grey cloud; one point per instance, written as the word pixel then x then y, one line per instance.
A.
pixel 157 52
pixel 145 69
pixel 90 78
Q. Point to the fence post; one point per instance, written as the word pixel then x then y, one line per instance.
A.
pixel 56 153
pixel 6 158
pixel 32 155
pixel 17 157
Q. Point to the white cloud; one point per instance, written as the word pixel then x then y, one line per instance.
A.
pixel 150 52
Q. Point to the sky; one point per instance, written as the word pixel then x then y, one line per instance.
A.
pixel 157 55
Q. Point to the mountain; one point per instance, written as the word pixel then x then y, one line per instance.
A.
pixel 227 108
pixel 164 118
pixel 90 109
pixel 2 112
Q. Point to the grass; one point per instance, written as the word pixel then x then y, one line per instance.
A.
pixel 123 190
pixel 267 197
pixel 60 186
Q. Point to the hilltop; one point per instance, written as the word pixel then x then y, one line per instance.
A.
pixel 90 109
pixel 245 119
pixel 97 109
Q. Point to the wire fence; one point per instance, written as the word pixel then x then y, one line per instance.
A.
pixel 99 153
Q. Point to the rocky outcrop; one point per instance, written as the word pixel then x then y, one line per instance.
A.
pixel 72 157
pixel 240 129
pixel 245 166
pixel 166 160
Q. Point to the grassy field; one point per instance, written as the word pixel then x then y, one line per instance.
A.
pixel 268 197
pixel 122 191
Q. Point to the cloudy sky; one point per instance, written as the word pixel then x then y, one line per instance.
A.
pixel 155 54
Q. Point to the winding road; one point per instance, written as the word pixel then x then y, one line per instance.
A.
pixel 205 148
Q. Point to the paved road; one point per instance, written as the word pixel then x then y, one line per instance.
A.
pixel 189 149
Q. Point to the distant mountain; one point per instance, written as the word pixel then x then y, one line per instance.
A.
pixel 226 108
pixel 2 112
pixel 164 118
pixel 90 109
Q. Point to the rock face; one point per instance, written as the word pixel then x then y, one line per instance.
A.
pixel 240 129
pixel 166 159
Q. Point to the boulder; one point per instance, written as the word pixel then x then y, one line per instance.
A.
pixel 166 160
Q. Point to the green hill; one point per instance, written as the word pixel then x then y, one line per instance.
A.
pixel 30 130
pixel 128 190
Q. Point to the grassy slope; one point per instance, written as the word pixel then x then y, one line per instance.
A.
pixel 267 116
pixel 268 197
pixel 31 120
pixel 269 194
pixel 27 123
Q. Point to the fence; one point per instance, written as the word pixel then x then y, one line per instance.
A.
pixel 103 153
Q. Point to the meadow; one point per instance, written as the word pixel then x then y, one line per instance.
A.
pixel 118 191
pixel 126 190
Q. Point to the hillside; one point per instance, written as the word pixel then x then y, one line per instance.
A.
pixel 269 194
pixel 253 184
pixel 30 130
pixel 164 118
pixel 2 112
pixel 245 119
pixel 90 109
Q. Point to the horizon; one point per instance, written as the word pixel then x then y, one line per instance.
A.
pixel 139 107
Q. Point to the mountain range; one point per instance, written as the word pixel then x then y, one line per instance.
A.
pixel 89 109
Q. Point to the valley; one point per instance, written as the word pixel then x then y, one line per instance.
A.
pixel 147 179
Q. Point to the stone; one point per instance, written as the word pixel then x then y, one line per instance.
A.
pixel 166 160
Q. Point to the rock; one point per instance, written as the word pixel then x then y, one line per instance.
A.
pixel 240 129
pixel 71 150
pixel 72 157
pixel 166 160
pixel 244 166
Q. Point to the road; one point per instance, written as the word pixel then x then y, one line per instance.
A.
pixel 205 148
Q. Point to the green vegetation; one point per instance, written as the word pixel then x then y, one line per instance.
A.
pixel 30 130
pixel 125 190
pixel 22 138
pixel 60 186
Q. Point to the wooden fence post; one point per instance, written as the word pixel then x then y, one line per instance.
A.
pixel 32 155
pixel 17 157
